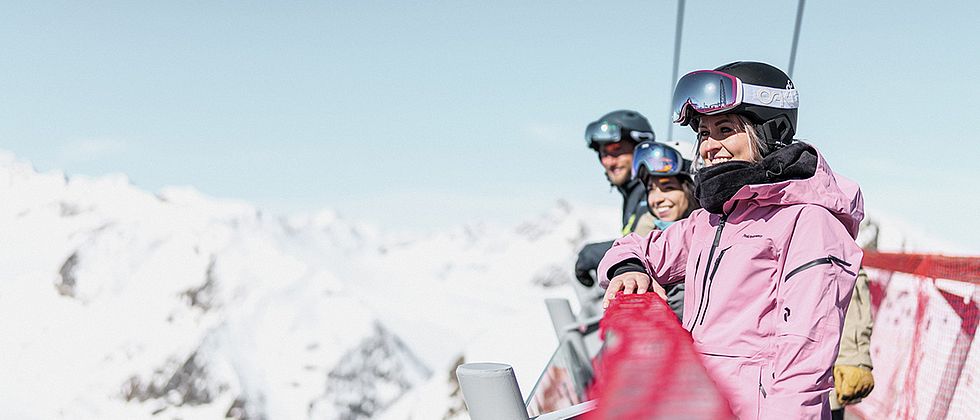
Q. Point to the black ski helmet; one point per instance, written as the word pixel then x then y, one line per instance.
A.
pixel 632 125
pixel 776 126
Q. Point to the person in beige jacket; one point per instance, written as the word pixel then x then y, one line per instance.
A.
pixel 852 370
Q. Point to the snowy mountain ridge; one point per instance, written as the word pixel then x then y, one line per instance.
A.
pixel 125 304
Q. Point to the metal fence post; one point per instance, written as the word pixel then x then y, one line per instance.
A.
pixel 561 315
pixel 561 318
pixel 491 392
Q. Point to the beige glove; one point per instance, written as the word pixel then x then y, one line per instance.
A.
pixel 852 383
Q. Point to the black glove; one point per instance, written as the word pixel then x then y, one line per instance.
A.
pixel 588 261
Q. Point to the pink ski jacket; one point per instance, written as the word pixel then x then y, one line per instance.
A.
pixel 768 284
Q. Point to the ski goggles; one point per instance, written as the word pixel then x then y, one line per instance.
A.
pixel 608 132
pixel 711 92
pixel 659 160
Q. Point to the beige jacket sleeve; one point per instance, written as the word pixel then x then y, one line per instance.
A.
pixel 645 224
pixel 855 340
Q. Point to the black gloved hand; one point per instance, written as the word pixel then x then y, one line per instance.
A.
pixel 588 261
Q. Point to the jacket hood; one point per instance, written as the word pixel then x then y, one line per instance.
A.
pixel 839 195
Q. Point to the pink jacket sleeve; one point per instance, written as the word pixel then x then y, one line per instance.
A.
pixel 663 253
pixel 820 266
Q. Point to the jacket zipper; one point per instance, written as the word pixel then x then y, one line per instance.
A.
pixel 711 282
pixel 696 268
pixel 830 259
pixel 704 281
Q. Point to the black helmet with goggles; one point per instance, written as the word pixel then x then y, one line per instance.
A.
pixel 617 126
pixel 762 93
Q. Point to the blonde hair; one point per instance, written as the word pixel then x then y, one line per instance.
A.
pixel 757 145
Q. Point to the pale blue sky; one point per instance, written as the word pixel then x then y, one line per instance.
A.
pixel 423 115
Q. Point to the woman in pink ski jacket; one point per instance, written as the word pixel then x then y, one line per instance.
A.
pixel 769 263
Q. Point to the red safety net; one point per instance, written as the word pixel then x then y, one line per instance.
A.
pixel 649 368
pixel 925 310
pixel 965 269
pixel 926 318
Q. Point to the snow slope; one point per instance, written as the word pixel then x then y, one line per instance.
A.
pixel 118 303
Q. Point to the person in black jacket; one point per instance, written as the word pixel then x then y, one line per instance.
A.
pixel 613 137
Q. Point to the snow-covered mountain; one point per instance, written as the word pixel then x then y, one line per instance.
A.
pixel 118 303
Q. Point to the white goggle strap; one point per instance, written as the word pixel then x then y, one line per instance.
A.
pixel 639 136
pixel 769 96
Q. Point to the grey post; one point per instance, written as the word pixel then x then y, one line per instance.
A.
pixel 491 392
pixel 561 315
pixel 562 318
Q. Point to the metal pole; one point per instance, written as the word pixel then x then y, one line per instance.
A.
pixel 561 315
pixel 561 318
pixel 796 37
pixel 491 392
pixel 678 30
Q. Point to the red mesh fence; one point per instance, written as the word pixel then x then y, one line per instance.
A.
pixel 926 318
pixel 965 269
pixel 649 365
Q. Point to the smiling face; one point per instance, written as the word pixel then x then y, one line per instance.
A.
pixel 723 138
pixel 667 198
pixel 617 160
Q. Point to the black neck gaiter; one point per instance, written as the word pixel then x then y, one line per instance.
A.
pixel 716 184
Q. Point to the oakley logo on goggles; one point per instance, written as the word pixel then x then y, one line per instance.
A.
pixel 607 132
pixel 712 92
pixel 659 160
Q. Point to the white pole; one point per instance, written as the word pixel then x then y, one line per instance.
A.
pixel 491 391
